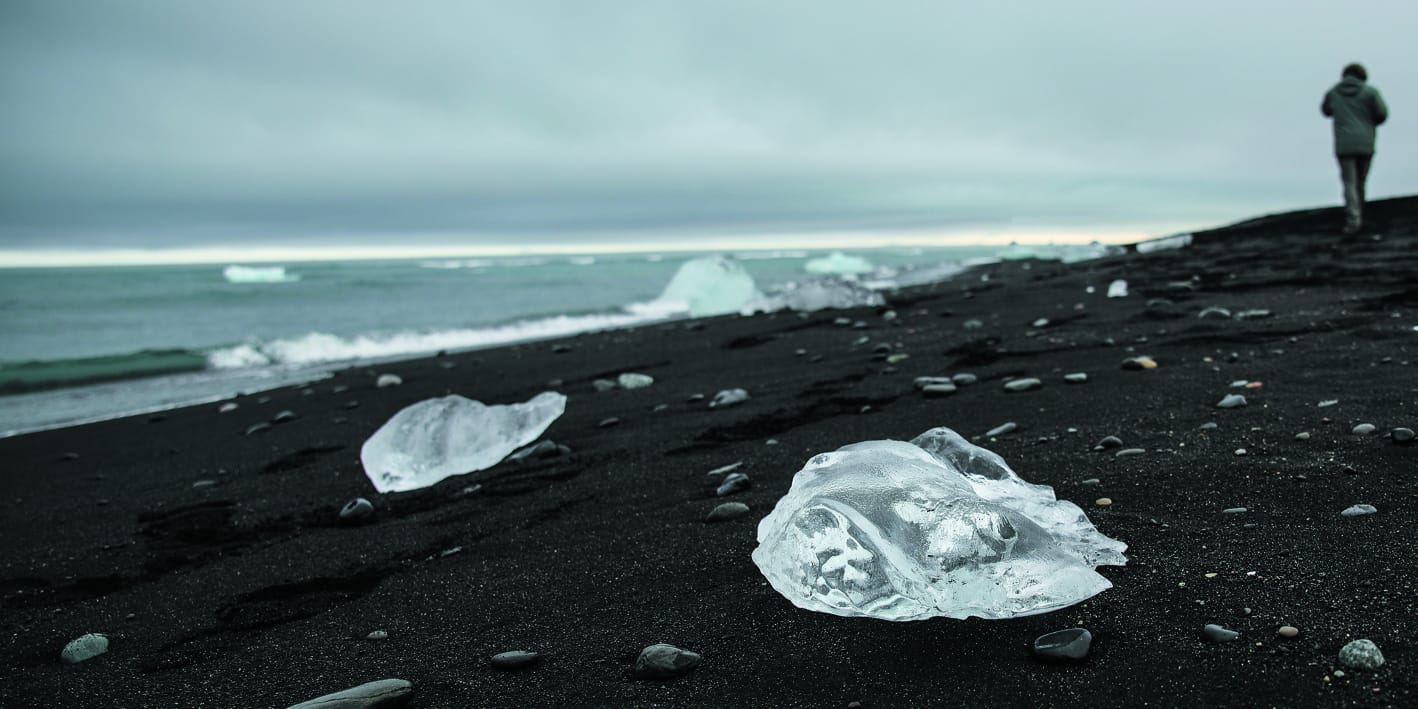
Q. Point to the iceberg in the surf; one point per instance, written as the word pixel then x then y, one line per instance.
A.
pixel 1176 241
pixel 451 435
pixel 815 294
pixel 258 274
pixel 838 263
pixel 713 285
pixel 934 527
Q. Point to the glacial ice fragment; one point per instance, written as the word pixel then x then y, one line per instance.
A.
pixel 934 527
pixel 258 274
pixel 1176 241
pixel 813 295
pixel 710 286
pixel 451 435
pixel 838 262
pixel 1118 289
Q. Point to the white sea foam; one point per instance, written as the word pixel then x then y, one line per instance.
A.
pixel 320 347
pixel 258 274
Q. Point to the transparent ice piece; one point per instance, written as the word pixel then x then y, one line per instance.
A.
pixel 934 527
pixel 451 435
pixel 816 294
pixel 838 262
pixel 710 286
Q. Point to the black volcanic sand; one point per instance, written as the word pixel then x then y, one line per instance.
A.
pixel 247 592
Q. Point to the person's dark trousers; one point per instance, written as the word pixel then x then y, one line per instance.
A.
pixel 1354 171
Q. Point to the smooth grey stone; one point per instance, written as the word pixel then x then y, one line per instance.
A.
pixel 1218 634
pixel 377 635
pixel 357 511
pixel 370 695
pixel 937 390
pixel 1363 429
pixel 1110 442
pixel 1076 377
pixel 728 397
pixel 1070 644
pixel 283 416
pixel 923 382
pixel 663 661
pixel 735 482
pixel 515 660
pixel 536 451
pixel 1002 429
pixel 388 380
pixel 603 385
pixel 1090 481
pixel 1234 511
pixel 1214 312
pixel 1208 426
pixel 257 428
pixel 84 647
pixel 727 511
pixel 1231 401
pixel 1361 654
pixel 199 484
pixel 1041 322
pixel 1358 511
pixel 1127 452
pixel 1254 314
pixel 1402 435
pixel 1302 436
pixel 1024 384
pixel 964 379
pixel 607 423
pixel 227 407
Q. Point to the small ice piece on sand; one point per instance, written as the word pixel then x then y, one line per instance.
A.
pixel 935 527
pixel 1118 289
pixel 1231 401
pixel 84 647
pixel 633 380
pixel 1358 511
pixel 381 693
pixel 388 380
pixel 663 661
pixel 709 286
pixel 1025 384
pixel 451 435
pixel 1176 241
pixel 728 397
pixel 1361 654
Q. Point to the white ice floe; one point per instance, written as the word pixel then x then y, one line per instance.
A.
pixel 708 286
pixel 258 274
pixel 934 527
pixel 438 438
pixel 838 263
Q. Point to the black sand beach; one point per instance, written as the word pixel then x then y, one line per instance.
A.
pixel 214 562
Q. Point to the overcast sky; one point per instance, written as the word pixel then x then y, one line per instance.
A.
pixel 298 122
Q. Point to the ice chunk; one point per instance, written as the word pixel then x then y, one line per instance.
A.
pixel 934 527
pixel 838 262
pixel 815 294
pixel 710 286
pixel 438 438
pixel 1176 241
pixel 1118 289
pixel 258 274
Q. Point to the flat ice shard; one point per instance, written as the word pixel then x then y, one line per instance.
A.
pixel 838 262
pixel 451 435
pixel 710 286
pixel 934 527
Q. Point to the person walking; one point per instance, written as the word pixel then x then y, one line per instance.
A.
pixel 1356 109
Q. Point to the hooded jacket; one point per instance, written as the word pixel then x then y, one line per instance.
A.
pixel 1356 109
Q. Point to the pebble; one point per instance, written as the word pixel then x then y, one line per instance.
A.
pixel 1076 377
pixel 727 511
pixel 972 324
pixel 735 482
pixel 513 660
pixel 377 635
pixel 1214 312
pixel 1002 429
pixel 731 467
pixel 1239 383
pixel 1109 442
pixel 1361 654
pixel 1234 511
pixel 1128 452
pixel 964 379
pixel 1231 401
pixel 608 422
pixel 1327 403
pixel 1302 436
pixel 1218 634
pixel 897 358
pixel 1139 363
pixel 357 511
pixel 227 407
pixel 728 397
pixel 938 390
pixel 1025 384
pixel 1358 511
pixel 1241 451
pixel 1090 481
pixel 633 380
pixel 257 428
pixel 1070 644
pixel 199 484
pixel 923 382
pixel 663 661
pixel 388 380
pixel 1287 631
pixel 1041 322
pixel 84 647
pixel 1208 426
pixel 1103 501
pixel 1363 429
pixel 1402 435
pixel 283 416
pixel 370 695
pixel 602 385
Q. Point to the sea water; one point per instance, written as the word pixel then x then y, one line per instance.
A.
pixel 82 344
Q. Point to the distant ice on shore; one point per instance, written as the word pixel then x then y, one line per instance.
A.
pixel 935 527
pixel 838 263
pixel 258 274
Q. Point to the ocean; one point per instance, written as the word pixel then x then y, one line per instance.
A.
pixel 85 344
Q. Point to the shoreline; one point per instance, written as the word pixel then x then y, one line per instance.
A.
pixel 214 561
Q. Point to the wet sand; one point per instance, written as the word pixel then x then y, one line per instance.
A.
pixel 215 563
